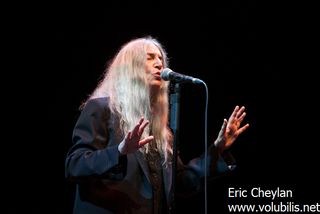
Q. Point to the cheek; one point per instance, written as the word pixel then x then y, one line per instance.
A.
pixel 148 68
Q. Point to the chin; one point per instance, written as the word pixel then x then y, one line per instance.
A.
pixel 156 84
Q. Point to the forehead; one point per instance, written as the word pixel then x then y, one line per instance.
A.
pixel 152 48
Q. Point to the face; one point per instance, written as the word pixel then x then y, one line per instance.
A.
pixel 154 65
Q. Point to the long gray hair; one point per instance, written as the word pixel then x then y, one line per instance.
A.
pixel 126 83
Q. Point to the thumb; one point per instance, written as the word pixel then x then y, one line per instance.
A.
pixel 224 125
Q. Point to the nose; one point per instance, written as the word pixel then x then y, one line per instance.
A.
pixel 158 64
pixel 158 67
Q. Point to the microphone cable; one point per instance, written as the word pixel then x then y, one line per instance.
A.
pixel 205 149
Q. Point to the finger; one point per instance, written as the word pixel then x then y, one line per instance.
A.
pixel 141 120
pixel 239 113
pixel 242 117
pixel 224 126
pixel 128 137
pixel 142 127
pixel 145 141
pixel 234 113
pixel 136 128
pixel 242 129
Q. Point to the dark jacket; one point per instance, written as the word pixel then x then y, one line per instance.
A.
pixel 110 183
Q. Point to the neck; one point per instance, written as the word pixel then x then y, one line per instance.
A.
pixel 154 93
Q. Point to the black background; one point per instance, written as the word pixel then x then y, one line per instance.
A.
pixel 260 55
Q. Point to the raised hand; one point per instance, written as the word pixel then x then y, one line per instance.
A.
pixel 231 129
pixel 132 142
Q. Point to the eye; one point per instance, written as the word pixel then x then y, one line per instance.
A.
pixel 150 56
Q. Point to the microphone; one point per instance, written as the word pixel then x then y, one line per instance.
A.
pixel 169 75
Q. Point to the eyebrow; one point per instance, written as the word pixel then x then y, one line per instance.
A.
pixel 153 54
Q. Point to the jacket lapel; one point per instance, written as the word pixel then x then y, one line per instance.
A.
pixel 167 180
pixel 166 171
pixel 143 164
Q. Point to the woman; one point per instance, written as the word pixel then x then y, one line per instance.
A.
pixel 121 159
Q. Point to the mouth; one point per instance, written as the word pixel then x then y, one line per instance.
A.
pixel 157 76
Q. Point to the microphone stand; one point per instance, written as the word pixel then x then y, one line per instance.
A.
pixel 174 91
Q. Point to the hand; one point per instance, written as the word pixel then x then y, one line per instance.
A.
pixel 132 142
pixel 231 129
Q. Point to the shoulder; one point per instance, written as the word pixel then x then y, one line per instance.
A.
pixel 96 106
pixel 97 103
